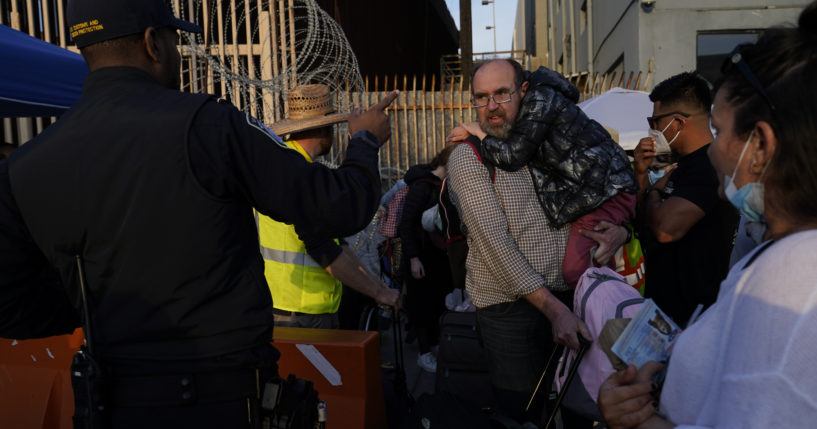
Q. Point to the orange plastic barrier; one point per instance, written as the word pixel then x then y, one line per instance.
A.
pixel 35 386
pixel 358 402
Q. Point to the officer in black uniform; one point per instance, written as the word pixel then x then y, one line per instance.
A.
pixel 153 189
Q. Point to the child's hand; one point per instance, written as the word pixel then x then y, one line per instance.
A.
pixel 417 269
pixel 474 129
pixel 610 238
pixel 458 135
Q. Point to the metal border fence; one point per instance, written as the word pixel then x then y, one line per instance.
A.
pixel 421 116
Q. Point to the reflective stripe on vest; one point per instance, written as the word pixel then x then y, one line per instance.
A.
pixel 286 257
pixel 296 281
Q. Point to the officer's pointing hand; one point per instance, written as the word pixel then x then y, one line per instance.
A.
pixel 375 119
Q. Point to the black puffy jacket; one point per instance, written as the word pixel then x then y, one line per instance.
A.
pixel 575 164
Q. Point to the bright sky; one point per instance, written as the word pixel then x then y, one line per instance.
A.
pixel 481 16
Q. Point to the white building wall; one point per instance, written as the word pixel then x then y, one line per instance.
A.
pixel 522 32
pixel 519 28
pixel 615 35
pixel 558 32
pixel 661 39
pixel 670 30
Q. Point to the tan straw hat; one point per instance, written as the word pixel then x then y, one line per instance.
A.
pixel 310 107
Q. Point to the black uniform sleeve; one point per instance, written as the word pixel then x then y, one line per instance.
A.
pixel 232 155
pixel 413 207
pixel 33 302
pixel 323 251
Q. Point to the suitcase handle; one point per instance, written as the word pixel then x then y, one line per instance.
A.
pixel 583 346
pixel 542 377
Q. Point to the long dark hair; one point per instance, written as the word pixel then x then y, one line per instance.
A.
pixel 784 63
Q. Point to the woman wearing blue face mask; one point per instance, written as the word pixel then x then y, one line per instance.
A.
pixel 749 198
pixel 747 361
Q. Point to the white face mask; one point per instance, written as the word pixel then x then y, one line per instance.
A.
pixel 749 198
pixel 662 146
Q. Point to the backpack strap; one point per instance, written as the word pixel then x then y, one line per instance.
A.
pixel 599 279
pixel 485 162
pixel 626 303
pixel 448 215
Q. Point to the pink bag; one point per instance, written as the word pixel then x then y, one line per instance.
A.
pixel 601 295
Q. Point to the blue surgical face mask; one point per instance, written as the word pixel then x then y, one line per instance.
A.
pixel 655 175
pixel 749 198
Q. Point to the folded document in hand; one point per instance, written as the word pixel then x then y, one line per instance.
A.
pixel 609 334
pixel 650 335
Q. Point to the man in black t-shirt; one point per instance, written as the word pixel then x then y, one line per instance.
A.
pixel 688 230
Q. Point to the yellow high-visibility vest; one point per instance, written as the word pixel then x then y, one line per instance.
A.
pixel 297 282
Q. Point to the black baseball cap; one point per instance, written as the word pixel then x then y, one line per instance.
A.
pixel 94 21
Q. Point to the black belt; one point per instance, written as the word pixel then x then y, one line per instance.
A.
pixel 183 389
pixel 286 313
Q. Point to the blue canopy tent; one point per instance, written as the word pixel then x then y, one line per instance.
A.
pixel 36 77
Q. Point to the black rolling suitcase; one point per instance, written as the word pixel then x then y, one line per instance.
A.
pixel 462 365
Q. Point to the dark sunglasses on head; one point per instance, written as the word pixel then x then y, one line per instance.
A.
pixel 735 59
pixel 652 120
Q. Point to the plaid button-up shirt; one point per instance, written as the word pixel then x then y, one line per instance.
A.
pixel 513 250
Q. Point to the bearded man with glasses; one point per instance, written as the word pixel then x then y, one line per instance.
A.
pixel 687 230
pixel 514 272
pixel 495 120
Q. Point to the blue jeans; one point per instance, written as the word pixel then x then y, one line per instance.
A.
pixel 518 341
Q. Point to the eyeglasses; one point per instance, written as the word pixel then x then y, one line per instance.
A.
pixel 483 100
pixel 735 59
pixel 652 120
